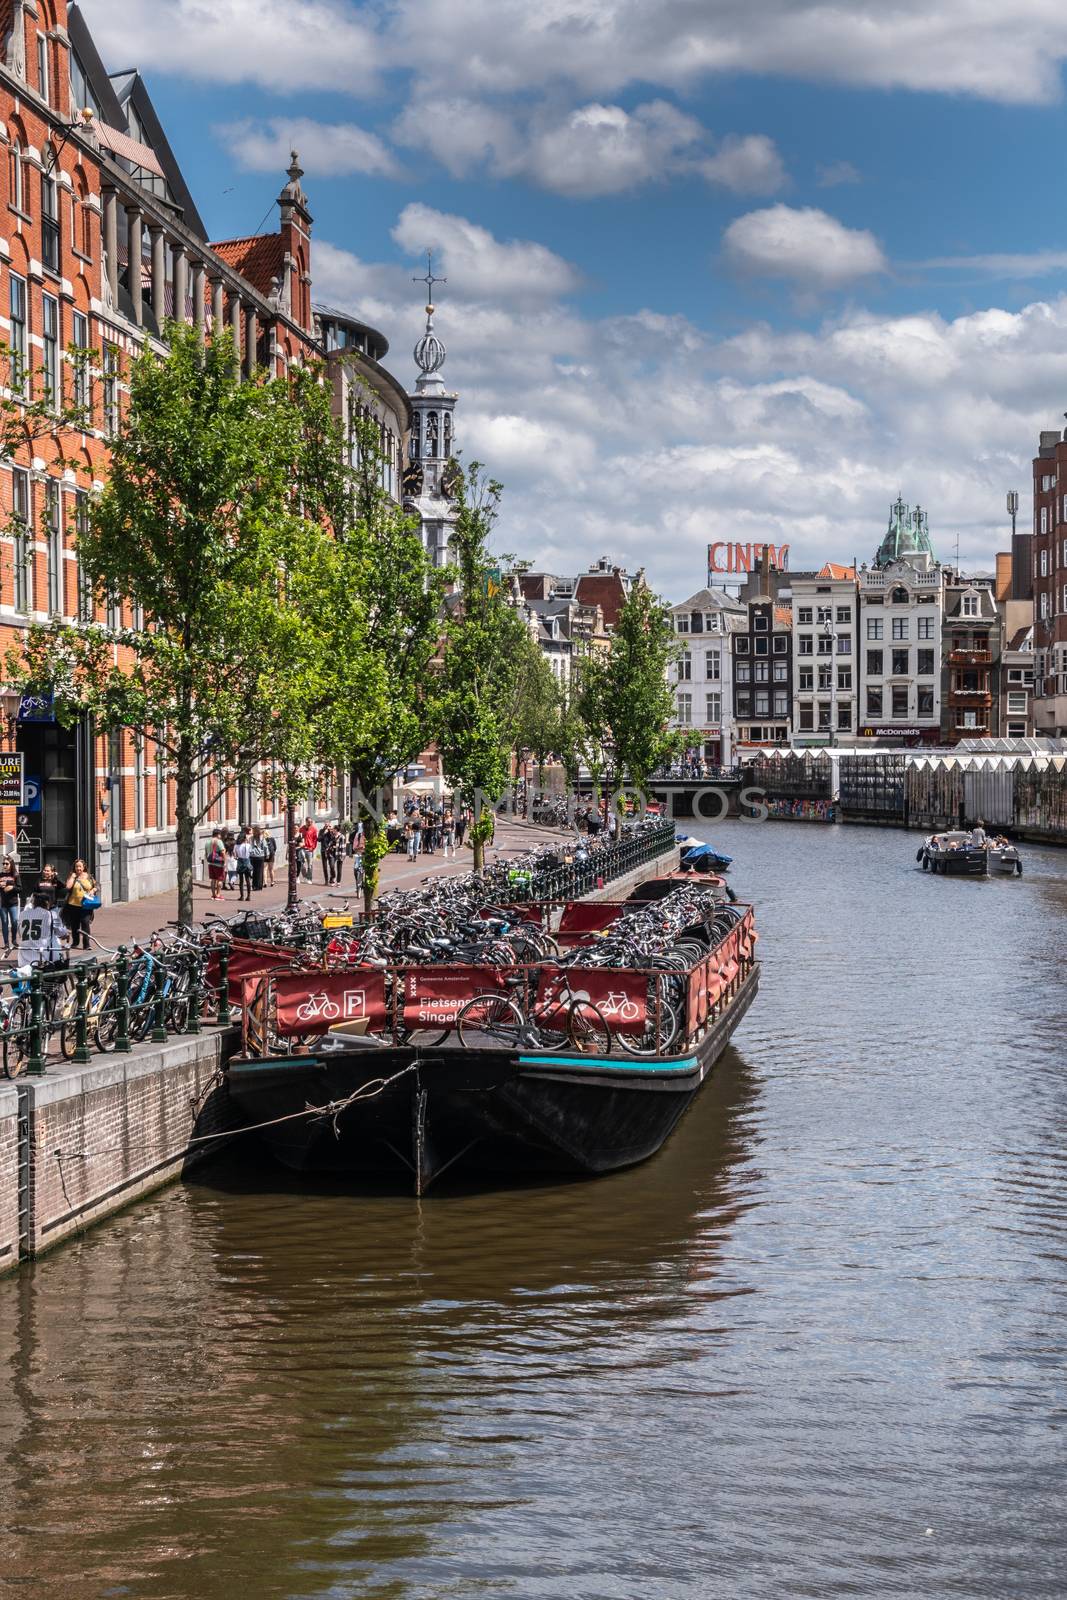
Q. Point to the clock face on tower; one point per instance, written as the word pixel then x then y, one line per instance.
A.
pixel 412 480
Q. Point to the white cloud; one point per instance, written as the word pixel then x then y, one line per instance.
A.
pixel 804 244
pixel 1036 265
pixel 602 149
pixel 644 438
pixel 749 165
pixel 835 173
pixel 500 47
pixel 326 150
pixel 461 133
pixel 284 45
pixel 480 266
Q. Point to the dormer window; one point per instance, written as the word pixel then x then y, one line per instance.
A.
pixel 970 605
pixel 682 622
pixel 899 597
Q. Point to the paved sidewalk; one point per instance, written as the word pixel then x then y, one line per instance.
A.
pixel 136 919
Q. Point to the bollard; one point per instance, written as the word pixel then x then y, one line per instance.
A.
pixel 159 1002
pixel 82 1055
pixel 35 1062
pixel 122 1003
pixel 223 1017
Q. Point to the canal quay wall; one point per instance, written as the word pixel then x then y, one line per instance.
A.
pixel 79 1143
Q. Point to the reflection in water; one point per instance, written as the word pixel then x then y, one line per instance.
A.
pixel 825 1319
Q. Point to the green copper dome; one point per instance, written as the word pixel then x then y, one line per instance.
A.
pixel 908 534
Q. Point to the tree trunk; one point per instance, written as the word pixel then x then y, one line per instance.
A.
pixel 183 775
pixel 374 850
pixel 292 898
pixel 478 848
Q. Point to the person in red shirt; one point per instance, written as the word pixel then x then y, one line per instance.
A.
pixel 309 838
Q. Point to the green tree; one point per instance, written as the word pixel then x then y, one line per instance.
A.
pixel 536 707
pixel 376 599
pixel 634 699
pixel 194 528
pixel 483 656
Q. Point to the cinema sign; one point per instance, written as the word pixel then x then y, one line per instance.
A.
pixel 735 558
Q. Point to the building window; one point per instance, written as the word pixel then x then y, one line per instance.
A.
pixel 924 663
pixel 1044 560
pixel 681 622
pixel 54 546
pixel 15 176
pixel 111 389
pixel 826 644
pixel 900 627
pixel 741 645
pixel 1044 605
pixel 781 705
pixel 824 613
pixel 696 622
pixel 824 714
pixel 900 663
pixel 50 330
pixel 744 705
pixel 807 719
pixel 844 616
pixel 743 672
pixel 924 628
pixel 900 702
pixel 781 672
pixel 805 646
pixel 804 616
pixel 685 709
pixel 844 677
pixel 1044 519
pixel 114 610
pixel 49 216
pixel 899 597
pixel 42 67
pixel 713 708
pixel 874 663
pixel 762 673
pixel 826 677
pixel 162 797
pixel 761 647
pixel 713 665
pixel 760 625
pixel 925 695
pixel 807 679
pixel 763 703
pixel 685 667
pixel 19 377
pixel 970 603
pixel 844 715
pixel 22 554
pixel 966 719
pixel 781 644
pixel 85 588
pixel 874 702
pixel 80 392
pixel 1017 703
pixel 874 627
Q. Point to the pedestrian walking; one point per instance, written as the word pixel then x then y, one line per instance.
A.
pixel 309 838
pixel 82 899
pixel 215 857
pixel 49 884
pixel 461 826
pixel 272 851
pixel 10 903
pixel 448 834
pixel 257 847
pixel 242 852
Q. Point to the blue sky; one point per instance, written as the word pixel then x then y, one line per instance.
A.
pixel 715 270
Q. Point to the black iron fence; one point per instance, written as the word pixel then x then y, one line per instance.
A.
pixel 140 995
pixel 578 872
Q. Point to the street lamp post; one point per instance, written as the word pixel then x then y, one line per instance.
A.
pixel 828 633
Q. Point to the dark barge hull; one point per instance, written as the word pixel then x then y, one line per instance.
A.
pixel 475 1112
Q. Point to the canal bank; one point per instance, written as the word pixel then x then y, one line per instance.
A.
pixel 80 1142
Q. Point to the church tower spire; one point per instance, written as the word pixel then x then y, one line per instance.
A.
pixel 432 445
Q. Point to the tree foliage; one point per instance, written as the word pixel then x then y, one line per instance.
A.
pixel 629 688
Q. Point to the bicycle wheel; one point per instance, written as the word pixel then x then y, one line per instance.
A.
pixel 103 1018
pixel 14 1039
pixel 587 1030
pixel 176 1005
pixel 490 1020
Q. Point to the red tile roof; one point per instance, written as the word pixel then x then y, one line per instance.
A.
pixel 784 616
pixel 834 569
pixel 259 258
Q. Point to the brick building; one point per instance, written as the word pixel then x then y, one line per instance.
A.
pixel 1049 569
pixel 101 243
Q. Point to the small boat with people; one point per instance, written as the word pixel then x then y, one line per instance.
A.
pixel 454 1034
pixel 970 852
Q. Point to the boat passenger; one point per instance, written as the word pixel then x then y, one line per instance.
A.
pixel 979 837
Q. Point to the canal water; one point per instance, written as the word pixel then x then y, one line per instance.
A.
pixel 816 1347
